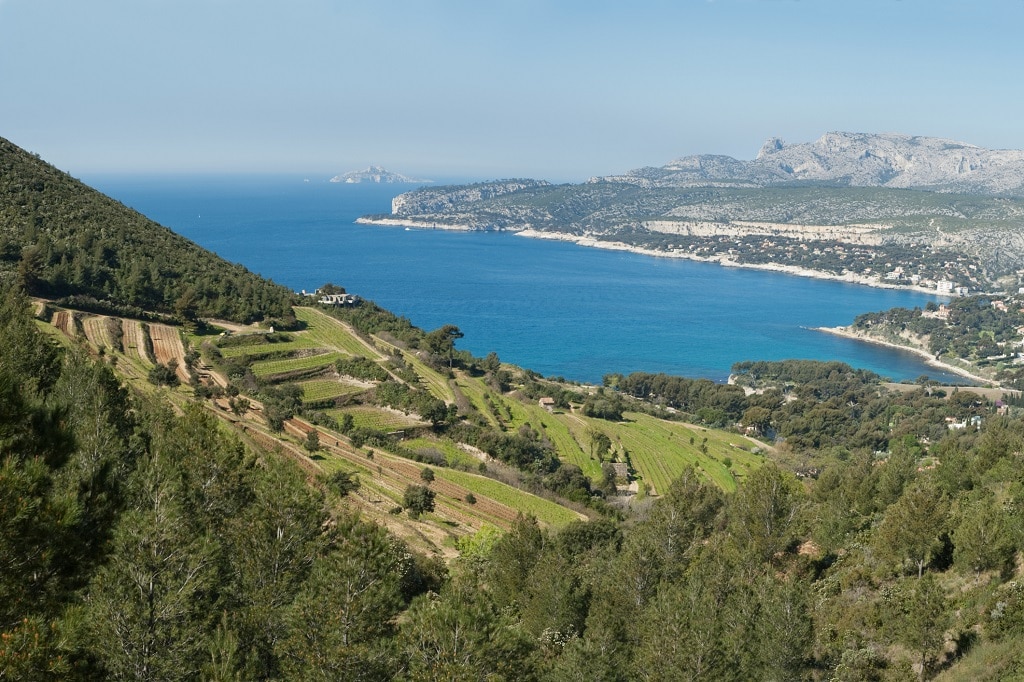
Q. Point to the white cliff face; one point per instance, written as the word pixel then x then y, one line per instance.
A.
pixel 441 199
pixel 853 159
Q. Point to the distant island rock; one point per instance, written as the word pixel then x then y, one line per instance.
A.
pixel 375 174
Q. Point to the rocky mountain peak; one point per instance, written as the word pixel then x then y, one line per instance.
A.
pixel 770 146
pixel 851 159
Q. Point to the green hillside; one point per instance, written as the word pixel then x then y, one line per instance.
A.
pixel 60 238
pixel 355 498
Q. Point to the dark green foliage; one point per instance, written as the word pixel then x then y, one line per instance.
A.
pixel 765 512
pixel 164 375
pixel 61 238
pixel 370 319
pixel 343 482
pixel 913 525
pixel 403 397
pixel 361 368
pixel 417 500
pixel 340 621
pixel 718 401
pixel 461 635
pixel 440 343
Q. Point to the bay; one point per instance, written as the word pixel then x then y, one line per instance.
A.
pixel 554 307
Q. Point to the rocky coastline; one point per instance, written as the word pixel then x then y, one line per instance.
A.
pixel 593 242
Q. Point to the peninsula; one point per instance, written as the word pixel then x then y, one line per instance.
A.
pixel 883 210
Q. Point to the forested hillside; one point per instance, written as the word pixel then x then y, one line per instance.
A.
pixel 339 501
pixel 143 544
pixel 61 238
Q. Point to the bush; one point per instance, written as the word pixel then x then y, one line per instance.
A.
pixel 418 500
pixel 164 375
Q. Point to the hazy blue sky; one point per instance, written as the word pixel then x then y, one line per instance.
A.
pixel 493 88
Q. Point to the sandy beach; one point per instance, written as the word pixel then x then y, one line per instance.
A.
pixel 930 359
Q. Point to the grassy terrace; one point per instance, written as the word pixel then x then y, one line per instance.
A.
pixel 434 382
pixel 556 427
pixel 660 450
pixel 452 453
pixel 546 511
pixel 258 348
pixel 266 368
pixel 476 391
pixel 376 418
pixel 323 389
pixel 326 331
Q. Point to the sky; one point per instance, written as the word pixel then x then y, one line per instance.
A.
pixel 559 90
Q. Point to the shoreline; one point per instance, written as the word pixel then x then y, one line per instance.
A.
pixel 721 260
pixel 847 333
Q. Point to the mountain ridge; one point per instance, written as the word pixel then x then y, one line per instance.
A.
pixel 852 159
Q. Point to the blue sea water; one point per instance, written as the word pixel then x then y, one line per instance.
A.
pixel 554 307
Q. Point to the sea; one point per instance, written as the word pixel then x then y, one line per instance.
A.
pixel 557 308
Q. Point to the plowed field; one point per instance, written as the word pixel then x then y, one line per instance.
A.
pixel 167 346
pixel 98 332
pixel 64 321
pixel 134 342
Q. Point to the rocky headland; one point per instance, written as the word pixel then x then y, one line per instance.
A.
pixel 883 210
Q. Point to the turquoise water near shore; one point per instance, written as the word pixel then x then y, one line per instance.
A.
pixel 554 307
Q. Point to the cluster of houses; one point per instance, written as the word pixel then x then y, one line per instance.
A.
pixel 955 424
pixel 333 299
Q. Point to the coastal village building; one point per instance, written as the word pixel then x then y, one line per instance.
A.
pixel 339 299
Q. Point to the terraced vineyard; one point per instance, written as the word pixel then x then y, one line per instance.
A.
pixel 376 418
pixel 64 320
pixel 496 502
pixel 660 450
pixel 453 455
pixel 258 347
pixel 167 347
pixel 324 330
pixel 547 512
pixel 325 389
pixel 134 339
pixel 269 368
pixel 432 380
pixel 98 331
pixel 479 396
